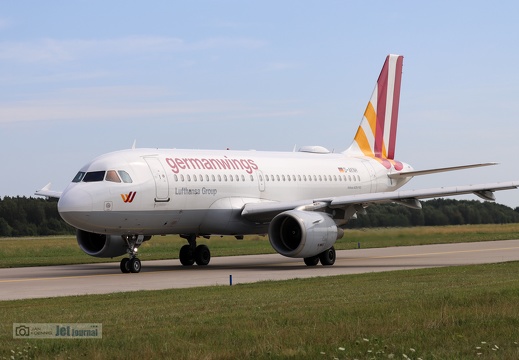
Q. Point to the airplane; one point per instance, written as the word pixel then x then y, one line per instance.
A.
pixel 301 199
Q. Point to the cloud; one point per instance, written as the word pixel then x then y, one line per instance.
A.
pixel 119 102
pixel 55 50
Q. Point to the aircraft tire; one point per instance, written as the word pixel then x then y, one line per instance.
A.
pixel 135 265
pixel 125 265
pixel 327 257
pixel 312 260
pixel 186 256
pixel 202 255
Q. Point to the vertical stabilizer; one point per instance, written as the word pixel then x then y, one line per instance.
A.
pixel 376 136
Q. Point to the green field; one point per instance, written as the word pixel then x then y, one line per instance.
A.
pixel 464 312
pixel 16 252
pixel 448 313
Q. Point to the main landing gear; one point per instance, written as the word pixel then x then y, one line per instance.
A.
pixel 326 258
pixel 132 264
pixel 190 254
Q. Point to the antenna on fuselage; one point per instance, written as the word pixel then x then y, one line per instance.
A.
pixel 134 144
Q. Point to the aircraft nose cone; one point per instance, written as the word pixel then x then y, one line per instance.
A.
pixel 73 204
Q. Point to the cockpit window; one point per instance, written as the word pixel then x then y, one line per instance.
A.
pixel 78 177
pixel 125 176
pixel 94 176
pixel 111 175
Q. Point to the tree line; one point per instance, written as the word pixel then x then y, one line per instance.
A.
pixel 436 212
pixel 22 216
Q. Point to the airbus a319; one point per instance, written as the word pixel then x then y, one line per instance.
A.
pixel 302 199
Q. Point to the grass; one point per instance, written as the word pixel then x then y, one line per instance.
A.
pixel 446 313
pixel 16 252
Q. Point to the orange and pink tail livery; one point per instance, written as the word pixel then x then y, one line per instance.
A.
pixel 376 136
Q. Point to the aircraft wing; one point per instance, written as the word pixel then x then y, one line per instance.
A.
pixel 265 211
pixel 47 192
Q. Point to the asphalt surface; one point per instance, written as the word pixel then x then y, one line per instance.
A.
pixel 103 278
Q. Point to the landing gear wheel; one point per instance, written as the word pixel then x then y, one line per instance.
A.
pixel 312 260
pixel 327 257
pixel 135 265
pixel 125 265
pixel 186 256
pixel 202 255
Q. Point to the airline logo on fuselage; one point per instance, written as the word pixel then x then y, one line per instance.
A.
pixel 225 163
pixel 128 198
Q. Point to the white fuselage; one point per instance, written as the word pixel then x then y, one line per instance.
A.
pixel 203 192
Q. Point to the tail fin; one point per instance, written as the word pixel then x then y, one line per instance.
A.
pixel 376 136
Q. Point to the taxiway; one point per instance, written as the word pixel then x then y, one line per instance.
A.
pixel 103 278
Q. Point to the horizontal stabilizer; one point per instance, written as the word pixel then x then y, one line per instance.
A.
pixel 47 192
pixel 404 174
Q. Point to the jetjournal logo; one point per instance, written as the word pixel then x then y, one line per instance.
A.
pixel 53 331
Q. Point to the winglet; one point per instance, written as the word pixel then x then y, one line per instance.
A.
pixel 376 135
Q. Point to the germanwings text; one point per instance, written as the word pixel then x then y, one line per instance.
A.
pixel 177 164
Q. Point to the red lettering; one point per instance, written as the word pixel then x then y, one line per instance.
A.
pixel 177 164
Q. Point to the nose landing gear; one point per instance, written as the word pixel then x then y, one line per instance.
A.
pixel 132 264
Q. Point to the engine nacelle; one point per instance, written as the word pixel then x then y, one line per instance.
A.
pixel 302 234
pixel 100 245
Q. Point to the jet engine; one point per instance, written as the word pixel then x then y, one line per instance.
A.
pixel 101 245
pixel 302 234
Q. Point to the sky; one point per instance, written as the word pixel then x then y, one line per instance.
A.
pixel 83 78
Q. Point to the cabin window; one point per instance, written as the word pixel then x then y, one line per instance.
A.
pixel 111 175
pixel 194 178
pixel 94 176
pixel 79 176
pixel 225 178
pixel 299 177
pixel 176 177
pixel 320 178
pixel 288 177
pixel 267 177
pixel 182 178
pixel 251 178
pixel 324 177
pixel 231 178
pixel 207 178
pixel 213 178
pixel 242 178
pixel 188 177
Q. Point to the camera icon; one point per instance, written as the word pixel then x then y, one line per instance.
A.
pixel 22 330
